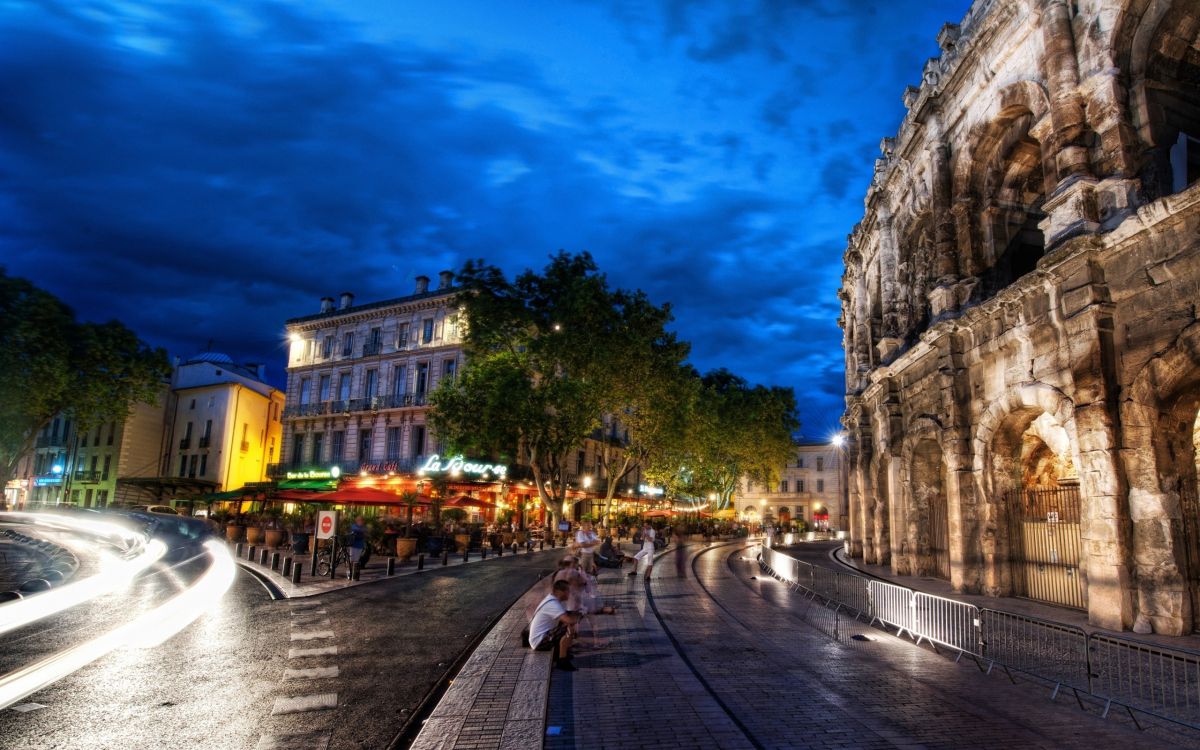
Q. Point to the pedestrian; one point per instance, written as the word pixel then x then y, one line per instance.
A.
pixel 357 543
pixel 587 541
pixel 647 551
pixel 549 629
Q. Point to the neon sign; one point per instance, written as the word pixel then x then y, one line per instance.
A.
pixel 330 473
pixel 436 465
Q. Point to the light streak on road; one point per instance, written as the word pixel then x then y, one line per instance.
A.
pixel 115 575
pixel 148 629
pixel 105 529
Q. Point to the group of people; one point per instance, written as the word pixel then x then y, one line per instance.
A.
pixel 574 593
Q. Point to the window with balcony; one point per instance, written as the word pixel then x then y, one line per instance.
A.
pixel 344 381
pixel 348 344
pixel 418 441
pixel 374 343
pixel 318 445
pixel 323 387
pixel 364 446
pixel 207 437
pixel 192 466
pixel 393 443
pixel 399 380
pixel 305 391
pixel 203 464
pixel 422 383
pixel 337 446
pixel 427 331
pixel 371 384
pixel 298 450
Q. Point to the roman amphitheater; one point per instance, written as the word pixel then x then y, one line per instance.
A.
pixel 1019 309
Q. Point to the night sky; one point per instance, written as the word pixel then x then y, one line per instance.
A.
pixel 204 171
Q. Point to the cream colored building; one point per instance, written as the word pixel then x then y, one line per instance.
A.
pixel 809 489
pixel 359 377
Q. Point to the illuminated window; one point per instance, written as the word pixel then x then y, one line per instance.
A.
pixel 393 443
pixel 783 486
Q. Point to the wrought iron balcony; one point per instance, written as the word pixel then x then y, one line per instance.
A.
pixel 87 477
pixel 372 348
pixel 52 441
pixel 185 443
pixel 203 442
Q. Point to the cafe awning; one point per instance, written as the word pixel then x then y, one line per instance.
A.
pixel 319 485
pixel 466 501
pixel 365 496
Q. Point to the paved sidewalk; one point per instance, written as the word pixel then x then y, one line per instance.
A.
pixel 727 657
pixel 375 571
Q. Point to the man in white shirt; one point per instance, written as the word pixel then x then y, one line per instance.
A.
pixel 587 541
pixel 549 627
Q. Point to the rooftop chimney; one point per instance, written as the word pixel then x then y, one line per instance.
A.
pixel 347 300
pixel 445 279
pixel 422 284
pixel 326 304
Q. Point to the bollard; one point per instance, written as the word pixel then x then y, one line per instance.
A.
pixel 483 552
pixel 312 571
pixel 421 561
pixel 296 573
pixel 445 557
pixel 274 561
pixel 262 557
pixel 391 566
pixel 237 550
pixel 287 567
pixel 500 550
pixel 250 553
pixel 528 548
pixel 354 570
pixel 465 553
pixel 541 545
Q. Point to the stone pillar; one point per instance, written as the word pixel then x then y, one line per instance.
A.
pixel 889 286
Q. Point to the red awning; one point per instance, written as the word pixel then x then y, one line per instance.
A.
pixel 364 496
pixel 466 501
pixel 657 514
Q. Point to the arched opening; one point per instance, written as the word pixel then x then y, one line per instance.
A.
pixel 1178 448
pixel 785 516
pixel 929 517
pixel 1035 475
pixel 1163 71
pixel 1013 190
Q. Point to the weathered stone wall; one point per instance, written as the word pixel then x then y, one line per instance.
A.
pixel 1019 303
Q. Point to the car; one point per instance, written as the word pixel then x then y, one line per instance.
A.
pixel 165 510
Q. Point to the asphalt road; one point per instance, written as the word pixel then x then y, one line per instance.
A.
pixel 216 684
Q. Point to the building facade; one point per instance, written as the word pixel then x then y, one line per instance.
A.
pixel 359 378
pixel 809 489
pixel 1020 320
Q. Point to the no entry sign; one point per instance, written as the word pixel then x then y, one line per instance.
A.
pixel 326 524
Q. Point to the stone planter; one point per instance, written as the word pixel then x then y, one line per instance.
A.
pixel 234 533
pixel 254 535
pixel 274 538
pixel 406 547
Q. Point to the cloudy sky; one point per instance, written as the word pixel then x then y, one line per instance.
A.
pixel 204 171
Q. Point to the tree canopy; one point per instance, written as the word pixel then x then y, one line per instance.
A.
pixel 50 363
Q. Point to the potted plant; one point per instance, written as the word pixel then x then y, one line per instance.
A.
pixel 235 530
pixel 254 529
pixel 456 516
pixel 406 546
pixel 273 517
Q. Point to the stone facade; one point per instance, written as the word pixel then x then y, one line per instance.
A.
pixel 1019 314
pixel 809 489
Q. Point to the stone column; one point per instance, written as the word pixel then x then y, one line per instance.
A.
pixel 889 286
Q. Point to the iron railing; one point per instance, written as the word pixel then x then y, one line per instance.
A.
pixel 1157 680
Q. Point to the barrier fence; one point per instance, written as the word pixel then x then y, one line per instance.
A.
pixel 1156 680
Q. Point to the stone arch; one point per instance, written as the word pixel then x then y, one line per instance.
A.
pixel 1006 178
pixel 925 548
pixel 1161 415
pixel 1157 48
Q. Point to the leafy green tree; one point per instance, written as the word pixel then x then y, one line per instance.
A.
pixel 548 355
pixel 50 363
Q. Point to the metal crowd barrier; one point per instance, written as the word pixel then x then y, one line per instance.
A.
pixel 1157 680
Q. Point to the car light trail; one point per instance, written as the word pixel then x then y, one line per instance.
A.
pixel 149 629
pixel 115 576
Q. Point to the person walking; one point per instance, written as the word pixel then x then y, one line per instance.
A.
pixel 358 542
pixel 647 551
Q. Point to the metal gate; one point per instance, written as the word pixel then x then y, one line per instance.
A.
pixel 939 536
pixel 1190 505
pixel 1045 545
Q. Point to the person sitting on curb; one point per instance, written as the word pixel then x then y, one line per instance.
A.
pixel 548 628
pixel 610 556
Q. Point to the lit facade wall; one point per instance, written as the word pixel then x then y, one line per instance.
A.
pixel 810 485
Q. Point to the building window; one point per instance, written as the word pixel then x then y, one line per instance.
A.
pixel 422 378
pixel 800 463
pixel 101 498
pixel 323 387
pixel 95 461
pixel 393 444
pixel 75 496
pixel 187 432
pixel 418 441
pixel 107 466
pixel 337 446
pixel 448 368
pixel 203 464
pixel 799 485
pixel 318 440
pixel 783 485
pixel 327 347
pixel 348 344
pixel 298 450
pixel 371 386
pixel 208 429
pixel 112 431
pixel 820 464
pixel 344 386
pixel 364 446
pixel 427 330
pixel 183 466
pixel 399 380
pixel 375 343
pixel 304 390
pixel 820 485
pixel 402 336
pixel 192 466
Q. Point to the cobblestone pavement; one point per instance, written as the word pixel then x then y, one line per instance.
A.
pixel 774 670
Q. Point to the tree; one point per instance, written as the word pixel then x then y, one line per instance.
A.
pixel 548 355
pixel 50 364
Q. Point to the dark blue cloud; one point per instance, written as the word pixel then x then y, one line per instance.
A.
pixel 205 172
